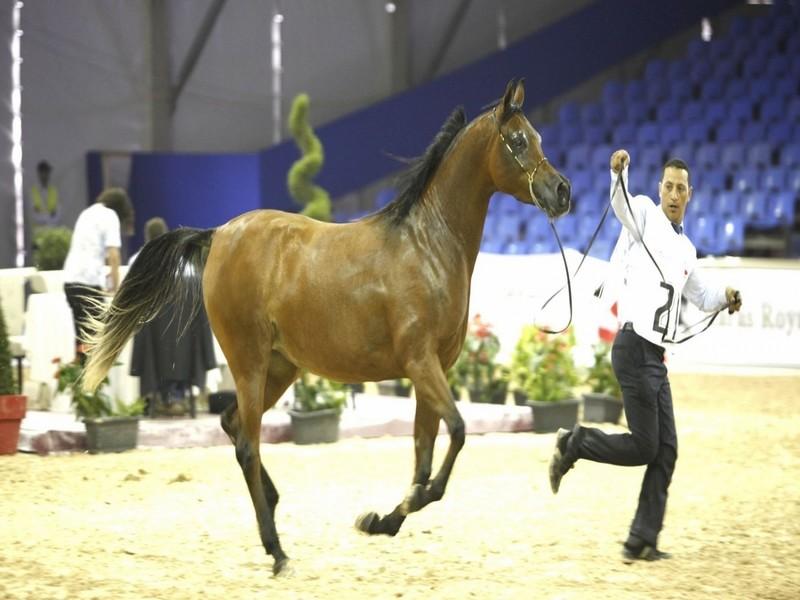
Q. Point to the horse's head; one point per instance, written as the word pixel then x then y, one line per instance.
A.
pixel 518 165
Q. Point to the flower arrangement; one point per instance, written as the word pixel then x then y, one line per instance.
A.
pixel 542 367
pixel 92 405
pixel 600 378
pixel 312 393
pixel 477 368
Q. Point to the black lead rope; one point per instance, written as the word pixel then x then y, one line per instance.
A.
pixel 710 318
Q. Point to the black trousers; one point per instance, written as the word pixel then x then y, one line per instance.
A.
pixel 652 441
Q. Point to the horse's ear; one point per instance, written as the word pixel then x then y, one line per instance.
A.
pixel 518 96
pixel 509 94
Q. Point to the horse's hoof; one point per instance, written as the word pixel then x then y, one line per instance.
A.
pixel 282 568
pixel 366 522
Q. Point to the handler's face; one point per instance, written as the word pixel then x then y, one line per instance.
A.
pixel 675 192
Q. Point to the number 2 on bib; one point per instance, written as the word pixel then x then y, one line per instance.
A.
pixel 663 309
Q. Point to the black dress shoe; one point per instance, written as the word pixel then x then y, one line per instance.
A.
pixel 646 552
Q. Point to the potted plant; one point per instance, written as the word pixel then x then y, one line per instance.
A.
pixel 395 387
pixel 317 408
pixel 110 426
pixel 544 373
pixel 603 403
pixel 476 368
pixel 12 404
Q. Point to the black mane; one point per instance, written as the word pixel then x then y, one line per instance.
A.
pixel 411 184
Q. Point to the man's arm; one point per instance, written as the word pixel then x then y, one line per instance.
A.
pixel 634 223
pixel 708 298
pixel 113 260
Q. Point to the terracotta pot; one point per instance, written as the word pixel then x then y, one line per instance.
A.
pixel 12 411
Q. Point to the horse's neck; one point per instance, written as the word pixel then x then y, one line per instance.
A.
pixel 457 199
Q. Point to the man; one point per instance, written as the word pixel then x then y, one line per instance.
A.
pixel 96 241
pixel 659 266
pixel 45 209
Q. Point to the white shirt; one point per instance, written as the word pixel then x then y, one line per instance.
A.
pixel 650 303
pixel 96 230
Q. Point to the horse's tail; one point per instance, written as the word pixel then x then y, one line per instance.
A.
pixel 167 270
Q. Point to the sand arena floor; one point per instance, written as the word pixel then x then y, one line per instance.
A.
pixel 179 524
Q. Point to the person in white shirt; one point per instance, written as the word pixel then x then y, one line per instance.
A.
pixel 658 266
pixel 96 241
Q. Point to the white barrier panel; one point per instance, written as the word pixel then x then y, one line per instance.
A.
pixel 508 292
pixel 765 333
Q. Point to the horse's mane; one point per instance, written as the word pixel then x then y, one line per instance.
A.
pixel 413 181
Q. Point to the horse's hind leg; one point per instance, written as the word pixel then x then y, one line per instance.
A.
pixel 280 376
pixel 434 401
pixel 252 399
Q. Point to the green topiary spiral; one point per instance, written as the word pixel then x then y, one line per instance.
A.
pixel 316 202
pixel 7 386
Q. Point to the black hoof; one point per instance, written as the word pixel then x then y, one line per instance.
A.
pixel 282 568
pixel 367 522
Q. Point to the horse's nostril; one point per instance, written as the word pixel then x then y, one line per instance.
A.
pixel 563 193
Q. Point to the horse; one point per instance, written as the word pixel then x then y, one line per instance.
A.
pixel 382 297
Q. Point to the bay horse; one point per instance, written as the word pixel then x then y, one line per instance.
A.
pixel 380 298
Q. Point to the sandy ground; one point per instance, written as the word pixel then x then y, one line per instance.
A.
pixel 178 523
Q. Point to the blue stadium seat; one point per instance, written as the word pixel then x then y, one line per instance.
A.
pixel 651 158
pixel 793 181
pixel 740 48
pixel 727 203
pixel 753 66
pixel 656 91
pixel 697 50
pixel 634 91
pixel 636 111
pixel 492 246
pixel 754 132
pixel 732 235
pixel 518 247
pixel 714 180
pixel 508 228
pixel 703 232
pixel 591 113
pixel 684 151
pixel 694 110
pixel 545 246
pixel 550 135
pixel 599 158
pixel 735 88
pixel 602 248
pixel 772 109
pixel 578 156
pixel 623 134
pixel 671 133
pixel 755 209
pixel 777 66
pixel 711 89
pixel 700 71
pixel 793 110
pixel 774 179
pixel 697 132
pixel 668 110
pixel 790 155
pixel 581 181
pixel 729 131
pixel 569 113
pixel 707 155
pixel 614 113
pixel 715 112
pixel 732 155
pixel 785 87
pixel 741 109
pixel 760 155
pixel 648 133
pixel 780 133
pixel 678 70
pixel 612 92
pixel 655 69
pixel 782 208
pixel 746 179
pixel 759 88
pixel 680 90
pixel 595 134
pixel 570 134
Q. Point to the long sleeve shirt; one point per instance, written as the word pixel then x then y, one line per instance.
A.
pixel 652 303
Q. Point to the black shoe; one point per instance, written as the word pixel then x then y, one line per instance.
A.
pixel 558 466
pixel 646 553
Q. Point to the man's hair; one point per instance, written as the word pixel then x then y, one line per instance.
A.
pixel 677 163
pixel 117 200
pixel 154 228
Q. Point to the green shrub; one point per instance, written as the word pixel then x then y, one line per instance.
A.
pixel 7 386
pixel 601 378
pixel 50 247
pixel 317 393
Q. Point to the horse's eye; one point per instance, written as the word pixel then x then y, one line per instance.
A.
pixel 518 141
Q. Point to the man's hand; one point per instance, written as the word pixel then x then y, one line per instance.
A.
pixel 734 299
pixel 619 160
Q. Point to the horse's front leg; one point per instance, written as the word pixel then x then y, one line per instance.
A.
pixel 434 402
